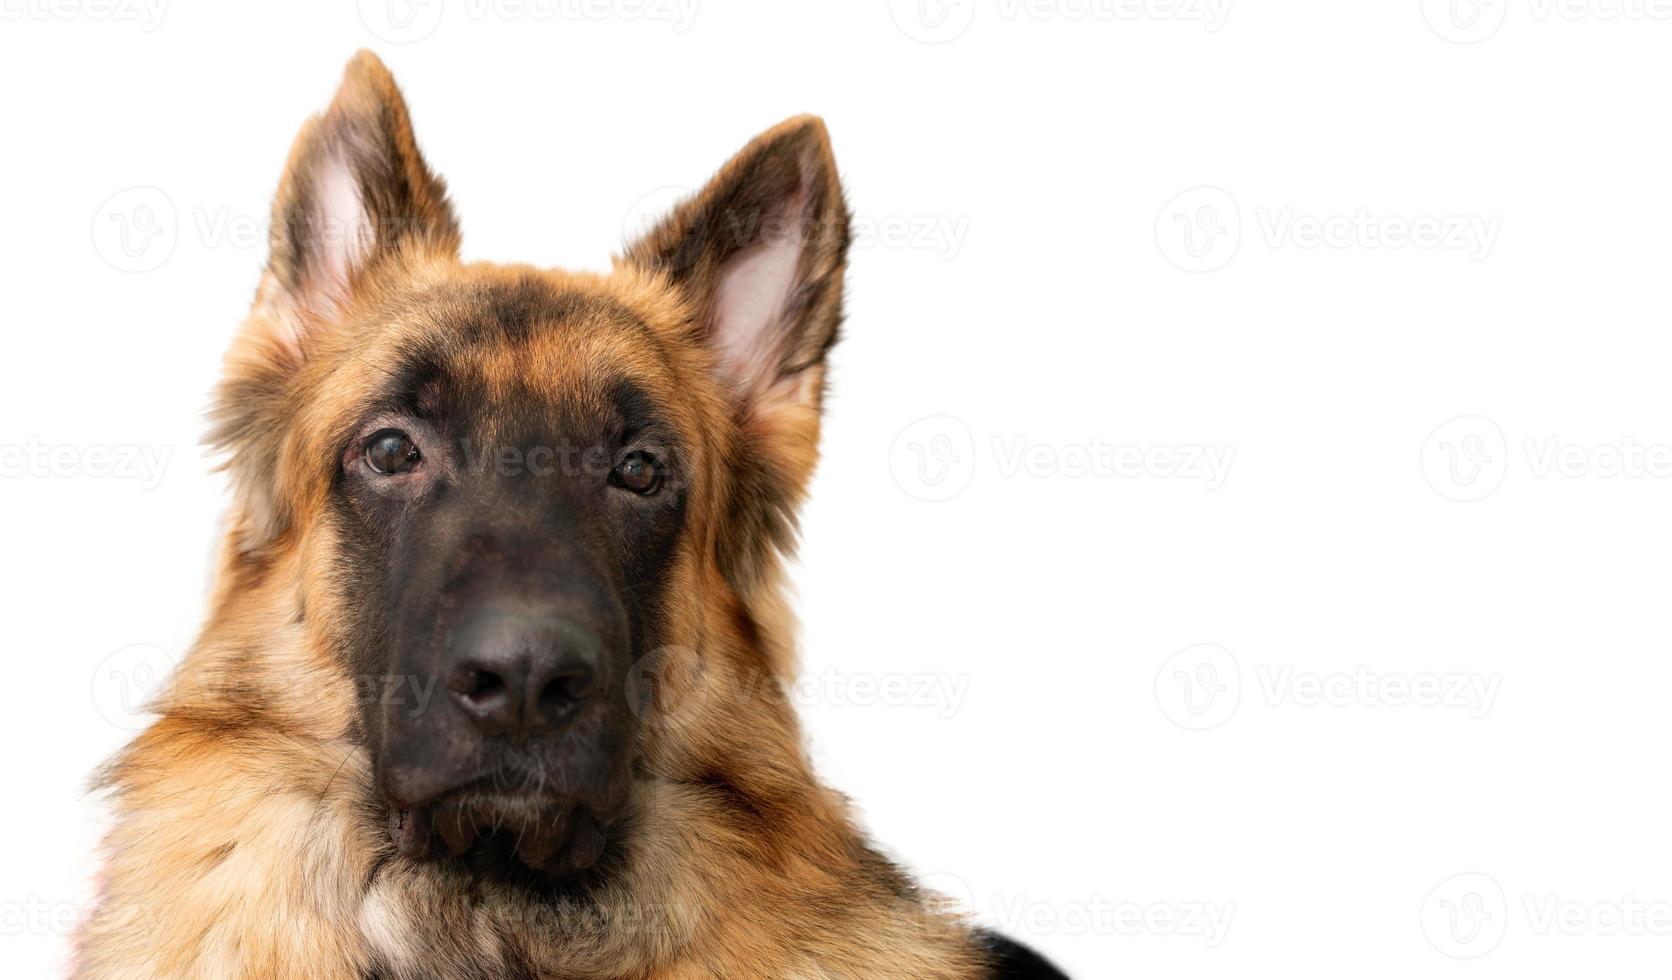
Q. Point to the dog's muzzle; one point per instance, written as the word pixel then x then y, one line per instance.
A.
pixel 523 747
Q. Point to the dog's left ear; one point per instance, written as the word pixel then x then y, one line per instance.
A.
pixel 760 252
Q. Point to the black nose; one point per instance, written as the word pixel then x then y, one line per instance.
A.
pixel 518 673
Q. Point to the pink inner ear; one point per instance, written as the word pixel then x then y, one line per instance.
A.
pixel 342 232
pixel 751 299
pixel 339 238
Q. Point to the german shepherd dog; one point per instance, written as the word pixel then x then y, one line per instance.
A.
pixel 477 696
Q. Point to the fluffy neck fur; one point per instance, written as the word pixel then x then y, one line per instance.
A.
pixel 248 841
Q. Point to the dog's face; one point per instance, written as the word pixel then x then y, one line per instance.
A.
pixel 512 486
pixel 510 498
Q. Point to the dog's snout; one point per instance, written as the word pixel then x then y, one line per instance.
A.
pixel 520 674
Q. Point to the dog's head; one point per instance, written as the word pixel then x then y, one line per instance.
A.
pixel 503 487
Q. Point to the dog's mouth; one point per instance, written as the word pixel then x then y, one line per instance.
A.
pixel 543 832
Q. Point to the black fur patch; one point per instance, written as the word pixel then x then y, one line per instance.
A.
pixel 1013 961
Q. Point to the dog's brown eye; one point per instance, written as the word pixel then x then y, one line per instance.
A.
pixel 639 473
pixel 391 451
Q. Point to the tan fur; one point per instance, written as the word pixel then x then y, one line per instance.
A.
pixel 245 841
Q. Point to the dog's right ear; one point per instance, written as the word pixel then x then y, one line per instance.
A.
pixel 355 195
pixel 356 192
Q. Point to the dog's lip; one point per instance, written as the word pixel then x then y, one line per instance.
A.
pixel 486 789
pixel 547 831
pixel 413 788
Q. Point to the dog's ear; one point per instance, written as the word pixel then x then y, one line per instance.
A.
pixel 760 253
pixel 356 192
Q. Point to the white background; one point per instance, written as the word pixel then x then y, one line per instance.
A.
pixel 1309 235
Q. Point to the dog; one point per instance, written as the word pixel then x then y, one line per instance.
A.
pixel 478 692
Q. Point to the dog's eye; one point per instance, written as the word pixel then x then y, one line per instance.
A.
pixel 639 473
pixel 391 451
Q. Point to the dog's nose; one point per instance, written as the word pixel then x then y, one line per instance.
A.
pixel 520 674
